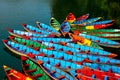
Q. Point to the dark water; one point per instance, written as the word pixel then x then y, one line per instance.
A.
pixel 12 14
pixel 108 9
pixel 15 12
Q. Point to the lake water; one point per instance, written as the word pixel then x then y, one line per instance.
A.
pixel 14 12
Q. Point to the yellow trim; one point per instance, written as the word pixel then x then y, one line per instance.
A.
pixel 86 42
pixel 79 43
pixel 89 27
pixel 70 21
pixel 14 75
pixel 28 78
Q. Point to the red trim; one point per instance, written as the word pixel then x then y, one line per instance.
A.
pixel 31 55
pixel 25 37
pixel 4 41
pixel 11 37
pixel 41 54
pixel 23 58
pixel 24 25
pixel 10 30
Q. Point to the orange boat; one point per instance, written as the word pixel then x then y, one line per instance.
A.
pixel 15 75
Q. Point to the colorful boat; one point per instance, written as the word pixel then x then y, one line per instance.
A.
pixel 29 35
pixel 83 17
pixel 98 31
pixel 83 41
pixel 95 73
pixel 23 50
pixel 54 24
pixel 65 64
pixel 65 28
pixel 65 40
pixel 54 72
pixel 24 34
pixel 86 22
pixel 30 43
pixel 47 28
pixel 103 22
pixel 113 34
pixel 107 35
pixel 93 65
pixel 90 27
pixel 69 48
pixel 58 73
pixel 101 41
pixel 15 75
pixel 70 18
pixel 114 38
pixel 34 70
pixel 33 29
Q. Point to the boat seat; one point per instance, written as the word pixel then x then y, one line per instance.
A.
pixel 92 50
pixel 56 61
pixel 50 60
pixel 32 70
pixel 54 40
pixel 67 64
pixel 45 51
pixel 61 77
pixel 27 50
pixel 59 53
pixel 50 52
pixel 69 52
pixel 53 71
pixel 70 57
pixel 37 75
pixel 63 64
pixel 26 65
